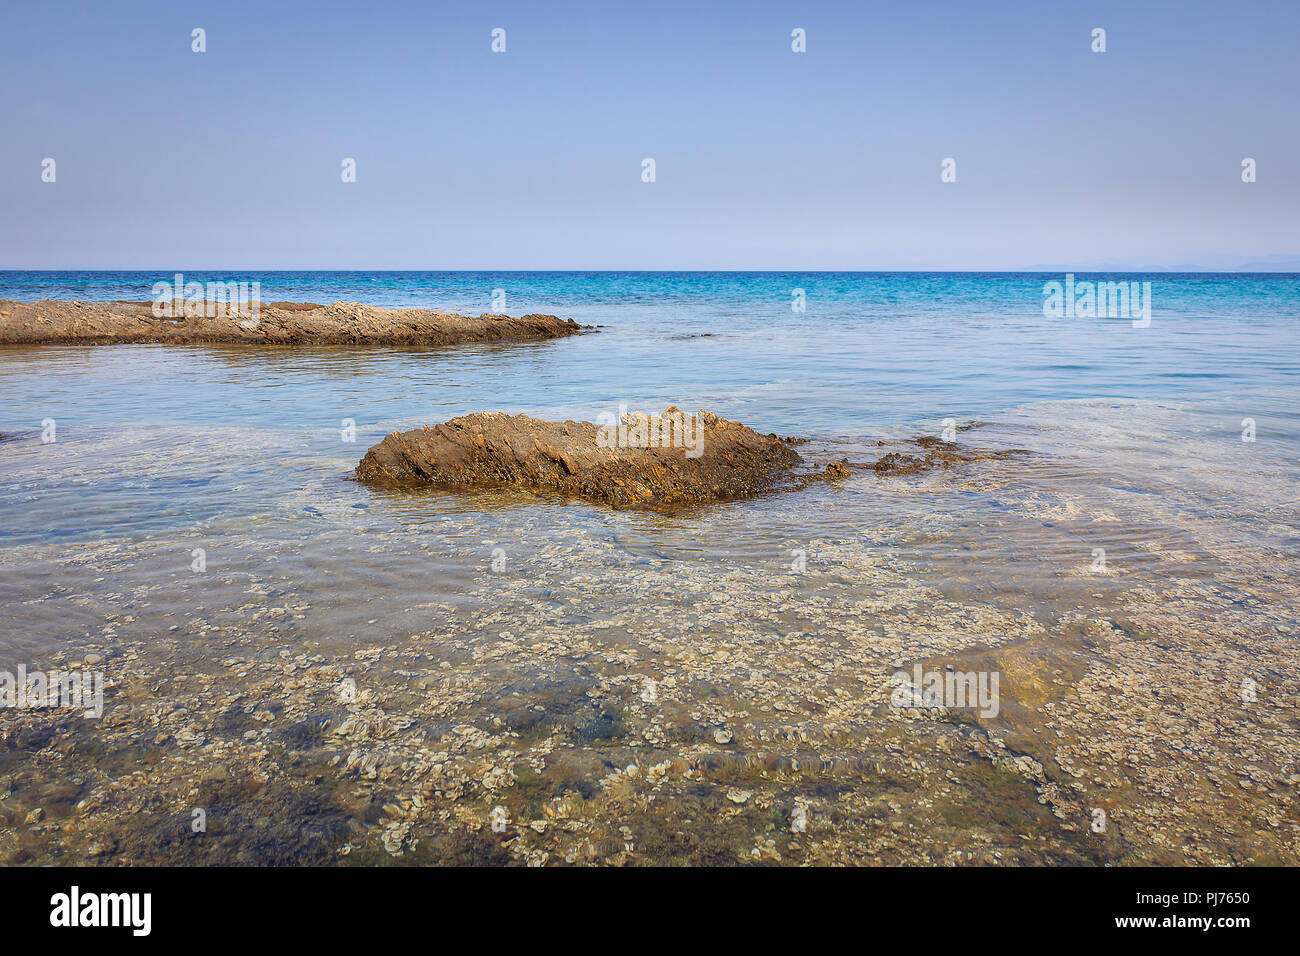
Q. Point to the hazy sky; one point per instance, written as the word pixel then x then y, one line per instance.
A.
pixel 532 159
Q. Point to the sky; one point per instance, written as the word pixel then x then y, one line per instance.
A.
pixel 764 158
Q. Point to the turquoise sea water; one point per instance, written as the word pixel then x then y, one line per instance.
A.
pixel 873 353
pixel 871 350
pixel 196 511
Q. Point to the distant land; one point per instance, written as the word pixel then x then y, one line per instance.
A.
pixel 1278 263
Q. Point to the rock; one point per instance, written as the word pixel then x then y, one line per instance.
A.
pixel 36 816
pixel 661 463
pixel 933 453
pixel 738 796
pixel 276 323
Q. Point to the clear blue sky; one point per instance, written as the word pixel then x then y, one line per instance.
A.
pixel 531 159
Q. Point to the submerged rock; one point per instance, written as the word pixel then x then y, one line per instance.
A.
pixel 650 463
pixel 935 453
pixel 276 323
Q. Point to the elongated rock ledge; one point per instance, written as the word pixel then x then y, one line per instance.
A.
pixel 277 323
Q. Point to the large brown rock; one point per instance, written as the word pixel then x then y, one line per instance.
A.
pixel 276 323
pixel 655 463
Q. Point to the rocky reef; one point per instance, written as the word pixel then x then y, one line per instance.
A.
pixel 663 462
pixel 928 453
pixel 276 323
pixel 644 462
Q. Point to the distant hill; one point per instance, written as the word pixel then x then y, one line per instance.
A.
pixel 1276 263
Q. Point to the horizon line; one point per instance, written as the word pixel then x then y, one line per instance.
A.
pixel 1027 271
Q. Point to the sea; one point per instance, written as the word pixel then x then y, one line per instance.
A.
pixel 176 504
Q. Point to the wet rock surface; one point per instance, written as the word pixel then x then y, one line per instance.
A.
pixel 928 453
pixel 50 322
pixel 703 459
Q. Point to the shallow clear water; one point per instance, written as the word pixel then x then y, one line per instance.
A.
pixel 1134 434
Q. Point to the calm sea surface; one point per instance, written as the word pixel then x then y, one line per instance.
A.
pixel 156 440
pixel 239 456
pixel 870 351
